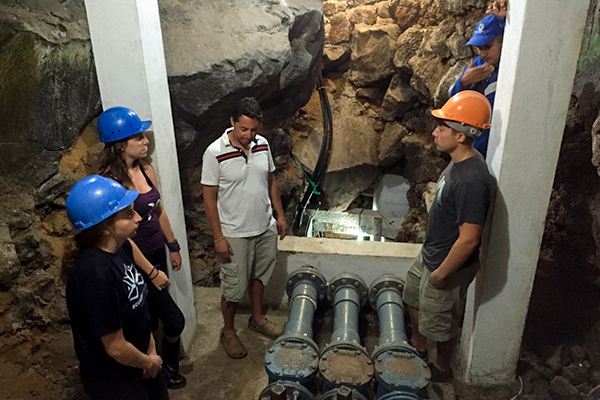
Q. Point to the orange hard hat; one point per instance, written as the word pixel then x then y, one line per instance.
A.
pixel 467 108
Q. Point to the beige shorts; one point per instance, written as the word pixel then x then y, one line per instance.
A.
pixel 253 258
pixel 440 310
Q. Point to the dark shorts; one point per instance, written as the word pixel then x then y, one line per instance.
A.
pixel 440 310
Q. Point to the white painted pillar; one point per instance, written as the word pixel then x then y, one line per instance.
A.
pixel 130 64
pixel 541 47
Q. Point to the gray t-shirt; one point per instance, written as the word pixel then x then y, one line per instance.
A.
pixel 462 195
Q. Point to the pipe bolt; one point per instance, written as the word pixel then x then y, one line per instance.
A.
pixel 313 277
pixel 343 281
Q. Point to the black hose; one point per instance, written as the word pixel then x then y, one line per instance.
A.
pixel 322 161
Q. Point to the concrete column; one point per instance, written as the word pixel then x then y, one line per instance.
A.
pixel 130 64
pixel 541 47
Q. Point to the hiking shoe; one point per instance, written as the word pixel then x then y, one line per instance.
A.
pixel 233 346
pixel 438 375
pixel 267 328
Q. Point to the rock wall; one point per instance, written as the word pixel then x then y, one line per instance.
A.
pixel 385 63
pixel 48 101
pixel 271 50
pixel 48 92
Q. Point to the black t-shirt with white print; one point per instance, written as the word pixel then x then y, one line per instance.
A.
pixel 106 293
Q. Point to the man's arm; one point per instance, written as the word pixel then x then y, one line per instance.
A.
pixel 127 354
pixel 276 202
pixel 468 240
pixel 222 247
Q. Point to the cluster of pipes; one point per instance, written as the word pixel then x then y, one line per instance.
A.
pixel 343 370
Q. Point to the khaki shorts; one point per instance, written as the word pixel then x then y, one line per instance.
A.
pixel 253 258
pixel 440 310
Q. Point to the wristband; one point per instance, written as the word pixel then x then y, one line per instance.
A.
pixel 173 246
pixel 150 274
pixel 219 239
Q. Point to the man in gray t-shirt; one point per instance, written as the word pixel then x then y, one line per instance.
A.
pixel 437 281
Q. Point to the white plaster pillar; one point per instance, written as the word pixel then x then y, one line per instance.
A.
pixel 130 64
pixel 539 58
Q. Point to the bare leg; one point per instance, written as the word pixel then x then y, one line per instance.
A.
pixel 444 354
pixel 256 290
pixel 228 309
pixel 418 341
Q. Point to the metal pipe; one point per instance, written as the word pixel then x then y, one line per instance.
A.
pixel 342 393
pixel 294 357
pixel 302 309
pixel 344 362
pixel 390 310
pixel 284 390
pixel 400 396
pixel 400 372
pixel 346 310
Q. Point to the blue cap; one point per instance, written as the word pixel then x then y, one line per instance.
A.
pixel 487 29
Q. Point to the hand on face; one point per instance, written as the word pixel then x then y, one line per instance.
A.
pixel 474 74
pixel 498 7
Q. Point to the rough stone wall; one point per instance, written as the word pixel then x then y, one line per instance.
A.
pixel 385 63
pixel 48 92
pixel 48 101
pixel 271 50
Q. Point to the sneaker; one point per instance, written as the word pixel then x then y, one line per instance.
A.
pixel 267 328
pixel 437 375
pixel 233 346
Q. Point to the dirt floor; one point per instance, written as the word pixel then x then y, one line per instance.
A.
pixel 212 375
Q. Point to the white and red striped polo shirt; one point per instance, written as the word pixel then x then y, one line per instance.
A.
pixel 243 198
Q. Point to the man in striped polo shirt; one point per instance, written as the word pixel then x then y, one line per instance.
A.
pixel 240 194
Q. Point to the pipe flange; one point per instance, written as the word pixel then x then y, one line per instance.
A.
pixel 344 363
pixel 285 390
pixel 399 368
pixel 384 282
pixel 292 358
pixel 342 393
pixel 400 396
pixel 308 274
pixel 347 280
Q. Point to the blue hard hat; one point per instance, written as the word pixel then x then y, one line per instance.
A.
pixel 118 123
pixel 487 29
pixel 95 198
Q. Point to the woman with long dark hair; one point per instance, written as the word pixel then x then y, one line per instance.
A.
pixel 126 147
pixel 107 297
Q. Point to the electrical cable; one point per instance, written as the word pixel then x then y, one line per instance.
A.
pixel 322 162
pixel 520 390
